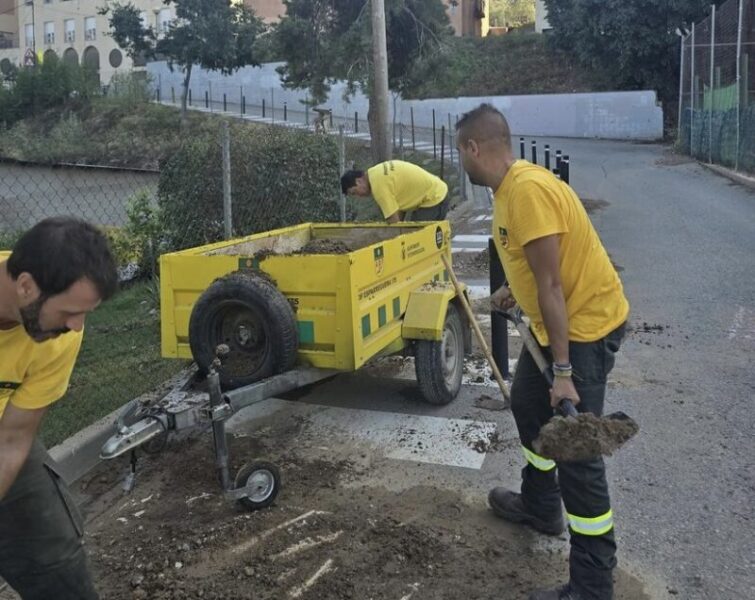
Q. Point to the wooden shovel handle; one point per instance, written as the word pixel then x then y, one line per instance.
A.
pixel 476 328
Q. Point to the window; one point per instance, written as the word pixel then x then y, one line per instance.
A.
pixel 115 58
pixel 70 25
pixel 90 29
pixel 49 32
pixel 163 20
pixel 29 35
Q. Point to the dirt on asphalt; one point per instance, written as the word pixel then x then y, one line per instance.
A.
pixel 330 535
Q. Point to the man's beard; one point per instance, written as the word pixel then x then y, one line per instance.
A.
pixel 30 319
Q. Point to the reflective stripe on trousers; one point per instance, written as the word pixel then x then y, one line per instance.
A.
pixel 591 525
pixel 539 462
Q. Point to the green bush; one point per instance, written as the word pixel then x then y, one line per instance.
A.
pixel 279 177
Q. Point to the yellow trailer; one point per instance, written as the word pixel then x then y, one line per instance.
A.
pixel 318 295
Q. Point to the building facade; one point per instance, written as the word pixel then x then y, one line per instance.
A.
pixel 72 30
pixel 541 17
pixel 468 17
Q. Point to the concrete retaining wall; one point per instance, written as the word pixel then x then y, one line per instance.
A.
pixel 608 115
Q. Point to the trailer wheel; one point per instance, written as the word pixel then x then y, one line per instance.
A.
pixel 265 482
pixel 439 364
pixel 254 323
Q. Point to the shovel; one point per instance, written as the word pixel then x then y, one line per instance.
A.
pixel 570 435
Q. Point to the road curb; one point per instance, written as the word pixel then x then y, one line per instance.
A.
pixel 80 453
pixel 734 176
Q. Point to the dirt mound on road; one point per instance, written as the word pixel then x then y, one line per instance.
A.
pixel 331 535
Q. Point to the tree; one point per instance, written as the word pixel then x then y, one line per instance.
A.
pixel 217 35
pixel 325 40
pixel 512 13
pixel 634 44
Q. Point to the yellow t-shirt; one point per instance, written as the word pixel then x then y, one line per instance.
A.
pixel 532 203
pixel 401 186
pixel 34 374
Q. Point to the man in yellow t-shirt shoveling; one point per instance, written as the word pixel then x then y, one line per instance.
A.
pixel 400 188
pixel 560 275
pixel 59 271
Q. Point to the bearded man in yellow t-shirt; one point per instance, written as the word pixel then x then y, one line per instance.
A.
pixel 58 272
pixel 400 188
pixel 559 273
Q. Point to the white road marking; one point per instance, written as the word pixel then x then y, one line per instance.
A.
pixel 326 567
pixel 433 440
pixel 307 544
pixel 246 545
pixel 477 238
pixel 477 292
pixel 415 587
pixel 480 218
pixel 737 323
pixel 469 250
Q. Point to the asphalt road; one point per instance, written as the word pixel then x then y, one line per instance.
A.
pixel 682 491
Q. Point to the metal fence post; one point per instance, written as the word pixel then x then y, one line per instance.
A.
pixel 499 329
pixel 263 108
pixel 521 148
pixel 442 149
pixel 534 152
pixel 356 121
pixel 227 216
pixel 739 82
pixel 225 103
pixel 342 168
pixel 285 111
pixel 411 113
pixel 206 99
pixel 681 89
pixel 692 96
pixel 712 80
pixel 435 141
pixel 189 96
pixel 209 83
pixel 547 156
pixel 450 144
pixel 401 142
pixel 272 104
pixel 173 94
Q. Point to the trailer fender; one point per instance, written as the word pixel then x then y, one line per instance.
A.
pixel 426 313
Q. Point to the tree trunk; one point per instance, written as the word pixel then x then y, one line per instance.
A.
pixel 184 95
pixel 382 144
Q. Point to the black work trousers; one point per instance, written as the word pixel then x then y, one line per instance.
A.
pixel 581 485
pixel 41 551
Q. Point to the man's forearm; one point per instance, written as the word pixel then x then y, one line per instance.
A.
pixel 556 321
pixel 13 455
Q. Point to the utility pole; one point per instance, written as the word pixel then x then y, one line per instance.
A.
pixel 382 145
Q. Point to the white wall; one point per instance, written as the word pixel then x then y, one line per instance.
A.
pixel 541 17
pixel 609 115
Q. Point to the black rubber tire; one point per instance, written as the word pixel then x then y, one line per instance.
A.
pixel 267 471
pixel 254 319
pixel 438 383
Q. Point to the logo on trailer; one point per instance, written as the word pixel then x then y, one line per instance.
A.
pixel 379 259
pixel 439 237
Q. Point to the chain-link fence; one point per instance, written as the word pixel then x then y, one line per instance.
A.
pixel 156 184
pixel 717 87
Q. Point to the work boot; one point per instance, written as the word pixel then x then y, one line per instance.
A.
pixel 565 592
pixel 509 506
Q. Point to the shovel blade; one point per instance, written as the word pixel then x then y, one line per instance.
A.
pixel 584 437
